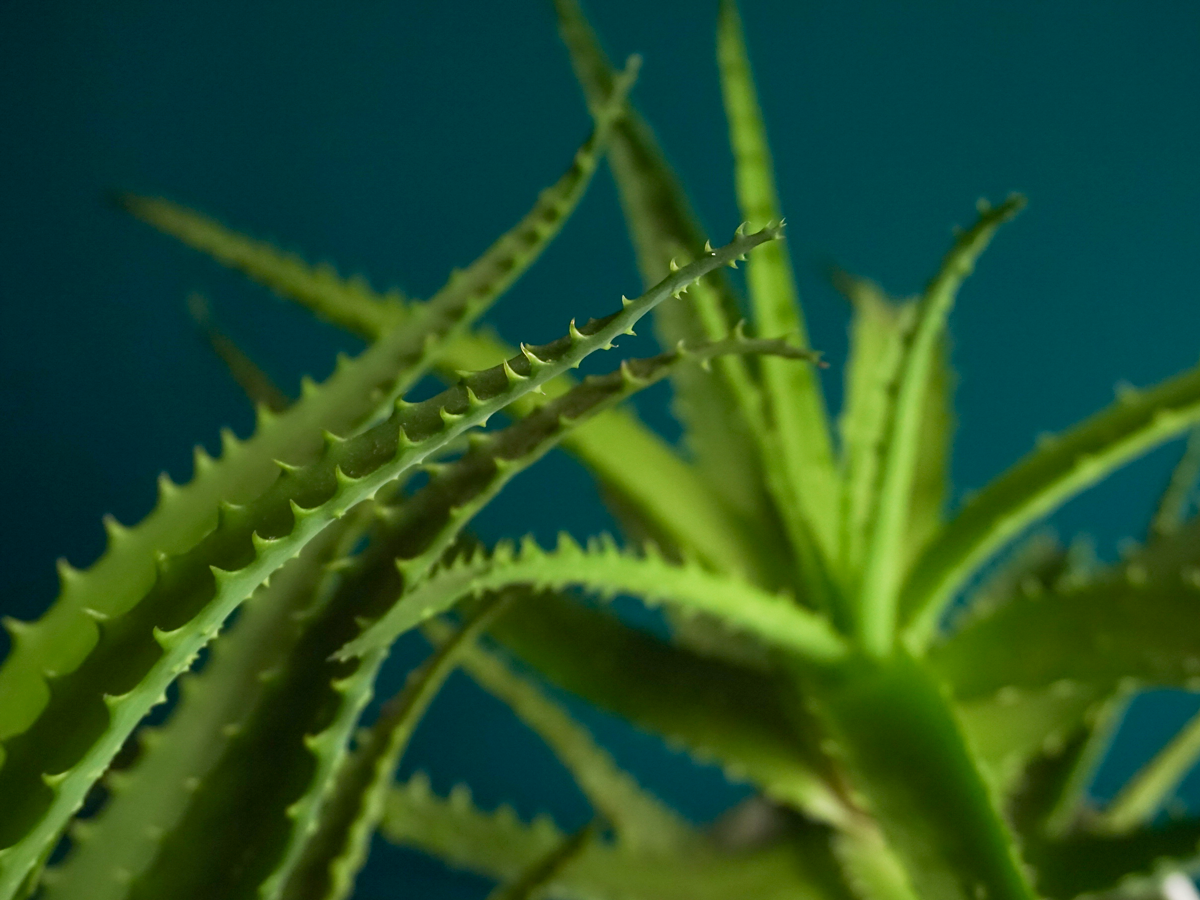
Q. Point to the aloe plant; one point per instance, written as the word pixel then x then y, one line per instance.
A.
pixel 918 697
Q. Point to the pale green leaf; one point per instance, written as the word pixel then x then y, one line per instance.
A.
pixel 800 449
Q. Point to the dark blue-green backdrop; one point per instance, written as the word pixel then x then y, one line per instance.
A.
pixel 397 139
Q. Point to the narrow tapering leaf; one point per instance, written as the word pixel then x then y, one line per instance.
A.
pixel 1136 624
pixel 498 845
pixel 1061 467
pixel 146 801
pixel 351 303
pixel 723 416
pixel 797 421
pixel 636 816
pixel 335 852
pixel 90 711
pixel 359 391
pixel 1153 786
pixel 254 382
pixel 884 570
pixel 1175 503
pixel 721 713
pixel 605 569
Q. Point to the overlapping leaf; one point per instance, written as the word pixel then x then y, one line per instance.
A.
pixel 139 653
pixel 498 845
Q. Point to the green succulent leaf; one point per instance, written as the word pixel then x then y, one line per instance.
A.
pixel 799 460
pixel 1008 728
pixel 356 393
pixel 304 747
pixel 723 417
pixel 884 567
pixel 337 849
pixel 254 382
pixel 1153 786
pixel 498 845
pixel 147 800
pixel 1060 468
pixel 876 351
pixel 350 303
pixel 1083 862
pixel 717 712
pixel 1136 624
pixel 668 493
pixel 606 569
pixel 93 708
pixel 1175 503
pixel 638 818
pixel 907 755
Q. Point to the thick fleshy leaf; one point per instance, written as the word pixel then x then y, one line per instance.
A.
pixel 638 818
pixel 718 712
pixel 498 845
pixel 604 568
pixel 723 417
pixel 337 849
pixel 132 657
pixel 1061 467
pixel 358 392
pixel 800 461
pixel 1082 863
pixel 904 751
pixel 922 345
pixel 1137 624
pixel 302 747
pixel 146 801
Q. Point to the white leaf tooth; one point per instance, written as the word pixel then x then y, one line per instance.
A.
pixel 574 333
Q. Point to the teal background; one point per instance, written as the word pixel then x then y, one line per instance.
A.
pixel 398 139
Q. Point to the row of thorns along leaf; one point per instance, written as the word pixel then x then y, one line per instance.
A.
pixel 261 784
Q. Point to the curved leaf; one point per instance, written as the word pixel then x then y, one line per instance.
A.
pixel 1060 468
pixel 717 712
pixel 772 619
pixel 638 818
pixel 357 392
pixel 905 752
pixel 801 452
pixel 498 845
pixel 1138 624
pixel 723 416
pixel 884 570
pixel 93 708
